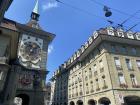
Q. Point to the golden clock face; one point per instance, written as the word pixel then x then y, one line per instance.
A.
pixel 30 51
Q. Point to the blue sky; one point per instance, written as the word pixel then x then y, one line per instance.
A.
pixel 73 27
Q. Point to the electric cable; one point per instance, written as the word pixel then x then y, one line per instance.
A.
pixel 91 14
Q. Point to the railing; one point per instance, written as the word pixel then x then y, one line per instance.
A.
pixel 136 86
pixel 123 85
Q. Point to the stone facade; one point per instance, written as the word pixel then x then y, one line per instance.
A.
pixel 23 62
pixel 104 71
pixel 4 5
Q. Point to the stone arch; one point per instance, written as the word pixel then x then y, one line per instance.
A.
pixel 104 101
pixel 22 99
pixel 132 100
pixel 91 102
pixel 72 103
pixel 79 102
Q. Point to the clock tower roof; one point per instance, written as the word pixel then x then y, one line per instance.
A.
pixel 35 17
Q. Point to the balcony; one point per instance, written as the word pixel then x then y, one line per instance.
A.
pixel 136 86
pixel 105 87
pixel 98 89
pixel 87 92
pixel 119 67
pixel 124 85
pixel 91 91
pixel 81 93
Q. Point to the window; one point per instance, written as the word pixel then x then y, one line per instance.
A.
pixel 121 79
pixel 97 85
pixel 1 75
pixel 95 67
pixel 117 62
pixel 113 48
pixel 133 80
pixel 120 33
pixel 130 35
pixel 101 63
pixel 134 51
pixel 128 63
pixel 110 31
pixel 138 63
pixel 123 49
pixel 90 73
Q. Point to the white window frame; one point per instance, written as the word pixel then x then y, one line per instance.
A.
pixel 121 79
pixel 117 61
pixel 130 35
pixel 129 64
pixel 110 31
pixel 138 63
pixel 138 36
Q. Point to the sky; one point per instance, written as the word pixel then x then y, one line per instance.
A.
pixel 73 22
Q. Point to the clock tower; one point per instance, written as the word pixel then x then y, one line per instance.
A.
pixel 26 80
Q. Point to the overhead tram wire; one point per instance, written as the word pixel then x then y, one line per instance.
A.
pixel 88 13
pixel 79 9
pixel 121 25
pixel 119 11
pixel 84 11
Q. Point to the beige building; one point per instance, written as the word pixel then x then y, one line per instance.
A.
pixel 104 71
pixel 48 94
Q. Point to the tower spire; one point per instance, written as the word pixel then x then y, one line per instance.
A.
pixel 36 8
pixel 35 13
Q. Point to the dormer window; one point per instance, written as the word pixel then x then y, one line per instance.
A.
pixel 120 33
pixel 130 35
pixel 90 40
pixel 138 36
pixel 82 48
pixel 74 56
pixel 110 31
pixel 86 45
pixel 95 34
pixel 71 60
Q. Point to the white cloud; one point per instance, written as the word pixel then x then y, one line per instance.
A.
pixel 50 49
pixel 49 5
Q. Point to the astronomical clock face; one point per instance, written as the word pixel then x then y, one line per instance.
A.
pixel 30 50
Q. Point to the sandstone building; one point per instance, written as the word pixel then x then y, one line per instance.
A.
pixel 104 71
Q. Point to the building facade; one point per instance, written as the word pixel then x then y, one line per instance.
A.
pixel 23 58
pixel 4 5
pixel 48 94
pixel 104 71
